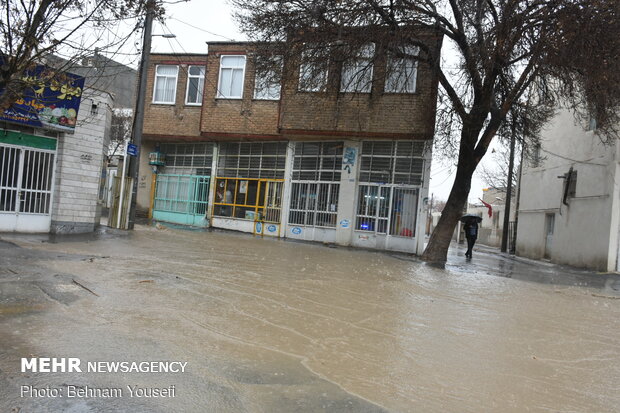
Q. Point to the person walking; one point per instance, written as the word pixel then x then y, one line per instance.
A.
pixel 471 233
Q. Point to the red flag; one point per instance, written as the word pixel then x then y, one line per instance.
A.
pixel 489 207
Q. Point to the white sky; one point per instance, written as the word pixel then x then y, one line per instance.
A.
pixel 212 21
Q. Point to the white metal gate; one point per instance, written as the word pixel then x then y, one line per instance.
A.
pixel 26 187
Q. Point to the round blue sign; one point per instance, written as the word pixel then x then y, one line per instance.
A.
pixel 296 230
pixel 272 228
pixel 344 223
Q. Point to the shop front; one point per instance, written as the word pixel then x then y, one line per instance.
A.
pixel 27 166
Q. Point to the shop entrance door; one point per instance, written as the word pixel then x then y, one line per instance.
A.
pixel 26 188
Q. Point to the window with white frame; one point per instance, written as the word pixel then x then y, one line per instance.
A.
pixel 232 73
pixel 316 184
pixel 267 81
pixel 313 70
pixel 392 162
pixel 165 87
pixel 195 85
pixel 402 70
pixel 357 71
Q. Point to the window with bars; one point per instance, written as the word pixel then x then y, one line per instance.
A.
pixel 392 162
pixel 316 183
pixel 251 199
pixel 188 158
pixel 387 209
pixel 317 161
pixel 252 160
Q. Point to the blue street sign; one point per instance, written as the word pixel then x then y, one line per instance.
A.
pixel 132 150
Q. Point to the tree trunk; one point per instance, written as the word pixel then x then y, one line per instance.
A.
pixel 438 244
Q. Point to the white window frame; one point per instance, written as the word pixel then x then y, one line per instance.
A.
pixel 220 95
pixel 200 89
pixel 411 50
pixel 357 72
pixel 270 86
pixel 174 93
pixel 308 68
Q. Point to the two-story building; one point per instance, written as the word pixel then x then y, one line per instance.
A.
pixel 290 150
pixel 569 208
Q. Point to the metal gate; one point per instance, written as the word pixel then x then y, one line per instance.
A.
pixel 26 187
pixel 390 214
pixel 181 199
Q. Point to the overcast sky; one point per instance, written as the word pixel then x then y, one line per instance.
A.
pixel 198 21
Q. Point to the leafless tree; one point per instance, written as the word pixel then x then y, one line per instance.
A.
pixel 31 30
pixel 120 129
pixel 509 63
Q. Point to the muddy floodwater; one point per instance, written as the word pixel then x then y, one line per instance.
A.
pixel 277 326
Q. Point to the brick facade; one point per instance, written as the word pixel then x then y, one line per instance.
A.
pixel 175 120
pixel 297 115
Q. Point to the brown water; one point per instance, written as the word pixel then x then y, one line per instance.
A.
pixel 267 325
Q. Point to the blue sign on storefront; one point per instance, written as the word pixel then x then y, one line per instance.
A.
pixel 50 100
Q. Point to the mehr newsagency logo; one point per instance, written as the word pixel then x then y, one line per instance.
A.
pixel 75 365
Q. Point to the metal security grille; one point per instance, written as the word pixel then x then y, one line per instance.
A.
pixel 392 162
pixel 9 178
pixel 252 160
pixel 248 198
pixel 187 194
pixel 26 178
pixel 188 158
pixel 314 204
pixel 387 209
pixel 317 161
pixel 315 187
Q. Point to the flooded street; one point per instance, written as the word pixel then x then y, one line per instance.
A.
pixel 276 326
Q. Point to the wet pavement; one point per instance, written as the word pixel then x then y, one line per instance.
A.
pixel 276 326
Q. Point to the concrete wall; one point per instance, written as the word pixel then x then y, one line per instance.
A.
pixel 582 235
pixel 145 178
pixel 80 158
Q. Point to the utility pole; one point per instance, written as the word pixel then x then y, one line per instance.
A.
pixel 138 120
pixel 511 163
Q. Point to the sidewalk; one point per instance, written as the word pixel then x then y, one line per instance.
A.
pixel 491 261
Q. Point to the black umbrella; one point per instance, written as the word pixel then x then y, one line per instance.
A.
pixel 470 218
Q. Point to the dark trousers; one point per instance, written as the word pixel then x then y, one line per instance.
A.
pixel 470 245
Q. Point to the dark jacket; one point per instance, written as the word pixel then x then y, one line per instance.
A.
pixel 471 230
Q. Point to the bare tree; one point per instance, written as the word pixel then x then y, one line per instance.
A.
pixel 496 176
pixel 507 59
pixel 31 30
pixel 120 129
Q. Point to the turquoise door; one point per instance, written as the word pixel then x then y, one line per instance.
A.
pixel 182 199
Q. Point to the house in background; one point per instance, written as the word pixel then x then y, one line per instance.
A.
pixel 305 157
pixel 569 209
pixel 492 227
